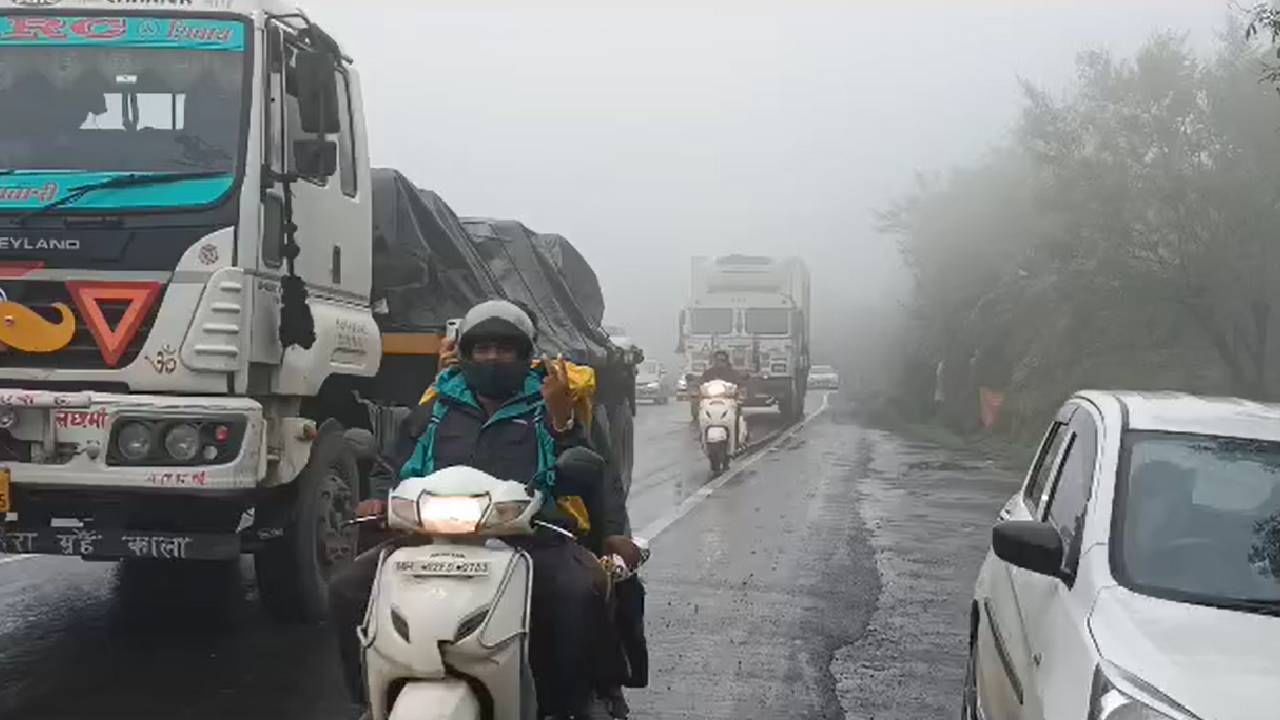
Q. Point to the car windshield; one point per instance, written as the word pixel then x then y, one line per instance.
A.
pixel 93 97
pixel 822 370
pixel 1200 517
pixel 711 321
pixel 768 321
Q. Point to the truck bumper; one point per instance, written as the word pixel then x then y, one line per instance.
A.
pixel 63 440
pixel 67 493
pixel 762 392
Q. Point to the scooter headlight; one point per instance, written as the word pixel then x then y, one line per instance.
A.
pixel 451 514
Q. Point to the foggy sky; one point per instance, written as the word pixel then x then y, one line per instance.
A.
pixel 649 132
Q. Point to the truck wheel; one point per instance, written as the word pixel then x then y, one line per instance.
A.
pixel 786 406
pixel 293 571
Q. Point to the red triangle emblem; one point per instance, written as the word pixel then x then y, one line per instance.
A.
pixel 89 297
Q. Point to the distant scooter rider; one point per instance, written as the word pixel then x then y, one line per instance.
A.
pixel 722 369
pixel 493 411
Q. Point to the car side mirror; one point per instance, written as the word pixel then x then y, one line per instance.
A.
pixel 580 470
pixel 1030 545
pixel 315 158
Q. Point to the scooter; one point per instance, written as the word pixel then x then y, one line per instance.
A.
pixel 445 636
pixel 721 426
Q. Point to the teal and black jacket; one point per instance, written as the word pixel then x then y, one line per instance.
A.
pixel 517 442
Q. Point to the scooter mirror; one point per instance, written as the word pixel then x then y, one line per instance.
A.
pixel 579 470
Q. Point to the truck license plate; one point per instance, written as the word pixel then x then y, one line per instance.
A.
pixel 5 500
pixel 444 568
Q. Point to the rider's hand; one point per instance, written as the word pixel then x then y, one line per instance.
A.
pixel 371 506
pixel 622 546
pixel 555 392
pixel 448 354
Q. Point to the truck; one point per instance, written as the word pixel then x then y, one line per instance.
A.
pixel 204 287
pixel 755 308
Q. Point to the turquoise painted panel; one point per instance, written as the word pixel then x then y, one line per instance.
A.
pixel 28 190
pixel 170 33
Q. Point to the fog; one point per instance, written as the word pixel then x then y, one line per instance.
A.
pixel 650 132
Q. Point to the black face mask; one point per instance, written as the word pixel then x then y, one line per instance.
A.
pixel 495 380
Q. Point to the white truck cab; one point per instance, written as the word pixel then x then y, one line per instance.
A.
pixel 185 269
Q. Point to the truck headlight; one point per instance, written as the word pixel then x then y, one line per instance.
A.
pixel 182 442
pixel 134 441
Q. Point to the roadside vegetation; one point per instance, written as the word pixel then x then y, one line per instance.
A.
pixel 1125 235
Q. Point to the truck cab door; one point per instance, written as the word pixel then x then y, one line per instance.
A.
pixel 332 213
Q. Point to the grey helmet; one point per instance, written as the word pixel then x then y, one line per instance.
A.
pixel 497 320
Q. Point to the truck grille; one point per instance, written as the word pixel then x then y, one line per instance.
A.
pixel 82 353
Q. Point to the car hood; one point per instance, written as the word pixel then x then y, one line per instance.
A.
pixel 646 379
pixel 1219 664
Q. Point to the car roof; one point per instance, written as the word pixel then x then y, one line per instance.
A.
pixel 1187 413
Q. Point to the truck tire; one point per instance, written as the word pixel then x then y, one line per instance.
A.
pixel 293 570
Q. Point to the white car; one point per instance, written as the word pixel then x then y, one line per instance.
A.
pixel 1136 574
pixel 823 377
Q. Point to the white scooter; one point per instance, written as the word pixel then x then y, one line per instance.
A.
pixel 446 633
pixel 721 426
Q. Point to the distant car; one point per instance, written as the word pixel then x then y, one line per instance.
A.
pixel 652 383
pixel 823 377
pixel 1136 574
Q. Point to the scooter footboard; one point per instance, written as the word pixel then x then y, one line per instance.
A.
pixel 449 699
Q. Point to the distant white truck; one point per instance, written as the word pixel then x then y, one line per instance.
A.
pixel 755 308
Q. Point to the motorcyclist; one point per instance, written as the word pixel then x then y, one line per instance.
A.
pixel 493 411
pixel 722 369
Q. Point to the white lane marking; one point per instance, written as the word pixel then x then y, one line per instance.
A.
pixel 655 528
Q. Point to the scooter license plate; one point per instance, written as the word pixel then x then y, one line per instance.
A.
pixel 444 568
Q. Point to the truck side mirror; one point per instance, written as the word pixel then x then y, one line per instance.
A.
pixel 317 86
pixel 315 158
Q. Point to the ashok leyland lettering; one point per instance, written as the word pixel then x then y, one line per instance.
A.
pixel 185 239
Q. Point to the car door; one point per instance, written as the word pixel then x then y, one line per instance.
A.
pixel 1003 656
pixel 1054 610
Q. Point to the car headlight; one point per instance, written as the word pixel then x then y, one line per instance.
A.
pixel 1137 701
pixel 134 441
pixel 652 386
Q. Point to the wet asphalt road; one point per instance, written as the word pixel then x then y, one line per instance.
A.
pixel 827 577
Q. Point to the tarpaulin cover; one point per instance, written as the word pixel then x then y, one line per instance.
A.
pixel 517 260
pixel 430 266
pixel 576 272
pixel 425 265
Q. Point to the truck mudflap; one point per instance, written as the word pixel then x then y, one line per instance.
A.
pixel 114 544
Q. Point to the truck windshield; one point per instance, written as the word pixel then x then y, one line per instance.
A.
pixel 768 321
pixel 711 321
pixel 85 99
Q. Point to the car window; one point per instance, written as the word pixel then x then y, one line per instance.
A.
pixel 1070 494
pixel 1043 466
